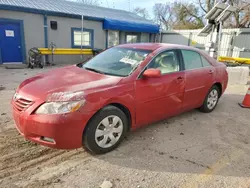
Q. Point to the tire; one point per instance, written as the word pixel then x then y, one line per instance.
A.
pixel 211 100
pixel 98 133
pixel 40 65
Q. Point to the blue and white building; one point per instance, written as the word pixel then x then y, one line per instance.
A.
pixel 37 23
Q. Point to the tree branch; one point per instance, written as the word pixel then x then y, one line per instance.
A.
pixel 195 16
pixel 242 8
pixel 202 6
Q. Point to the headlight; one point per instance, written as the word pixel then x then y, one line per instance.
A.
pixel 59 107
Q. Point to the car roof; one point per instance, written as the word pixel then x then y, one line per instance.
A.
pixel 155 46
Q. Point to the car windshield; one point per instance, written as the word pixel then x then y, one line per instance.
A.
pixel 117 61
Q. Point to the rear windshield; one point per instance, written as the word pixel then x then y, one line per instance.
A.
pixel 117 61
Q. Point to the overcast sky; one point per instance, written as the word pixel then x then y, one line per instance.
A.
pixel 124 4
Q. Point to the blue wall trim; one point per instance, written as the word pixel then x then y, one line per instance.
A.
pixel 107 33
pixel 1 62
pixel 48 13
pixel 46 40
pixel 20 22
pixel 79 29
pixel 45 25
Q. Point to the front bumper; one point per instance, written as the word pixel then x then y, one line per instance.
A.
pixel 65 129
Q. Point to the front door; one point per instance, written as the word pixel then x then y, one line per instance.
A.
pixel 10 43
pixel 158 98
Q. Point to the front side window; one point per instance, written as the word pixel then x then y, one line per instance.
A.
pixel 117 61
pixel 113 38
pixel 167 62
pixel 85 40
pixel 192 59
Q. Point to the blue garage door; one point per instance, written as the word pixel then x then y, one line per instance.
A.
pixel 10 43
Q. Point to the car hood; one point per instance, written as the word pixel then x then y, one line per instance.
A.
pixel 67 79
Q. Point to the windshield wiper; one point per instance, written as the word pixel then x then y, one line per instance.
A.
pixel 94 70
pixel 100 72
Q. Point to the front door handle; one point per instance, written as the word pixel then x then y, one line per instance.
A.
pixel 179 79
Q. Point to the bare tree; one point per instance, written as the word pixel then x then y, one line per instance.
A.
pixel 163 15
pixel 178 15
pixel 191 15
pixel 206 5
pixel 89 2
pixel 242 15
pixel 197 11
pixel 142 12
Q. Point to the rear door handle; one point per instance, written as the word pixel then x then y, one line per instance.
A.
pixel 211 72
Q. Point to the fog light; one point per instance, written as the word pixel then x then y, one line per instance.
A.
pixel 47 139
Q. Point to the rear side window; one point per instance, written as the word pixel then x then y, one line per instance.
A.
pixel 192 59
pixel 205 62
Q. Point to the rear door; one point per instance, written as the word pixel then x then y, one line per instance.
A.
pixel 158 98
pixel 199 75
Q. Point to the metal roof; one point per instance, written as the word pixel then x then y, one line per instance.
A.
pixel 71 8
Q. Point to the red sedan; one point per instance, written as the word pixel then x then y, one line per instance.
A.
pixel 94 104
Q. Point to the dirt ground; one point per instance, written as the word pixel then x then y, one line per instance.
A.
pixel 190 150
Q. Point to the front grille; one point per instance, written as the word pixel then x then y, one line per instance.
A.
pixel 22 104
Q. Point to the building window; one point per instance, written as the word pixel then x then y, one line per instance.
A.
pixel 87 38
pixel 132 38
pixel 53 25
pixel 113 38
pixel 144 37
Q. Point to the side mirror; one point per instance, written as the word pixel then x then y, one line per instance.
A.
pixel 152 73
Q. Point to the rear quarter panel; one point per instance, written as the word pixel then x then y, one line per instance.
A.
pixel 221 75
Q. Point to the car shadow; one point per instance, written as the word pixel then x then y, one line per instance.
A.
pixel 193 142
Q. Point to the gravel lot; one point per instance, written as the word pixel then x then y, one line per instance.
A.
pixel 190 150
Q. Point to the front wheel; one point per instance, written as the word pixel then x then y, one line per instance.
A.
pixel 211 100
pixel 105 130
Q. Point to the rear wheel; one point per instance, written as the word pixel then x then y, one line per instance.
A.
pixel 211 100
pixel 105 130
pixel 40 65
